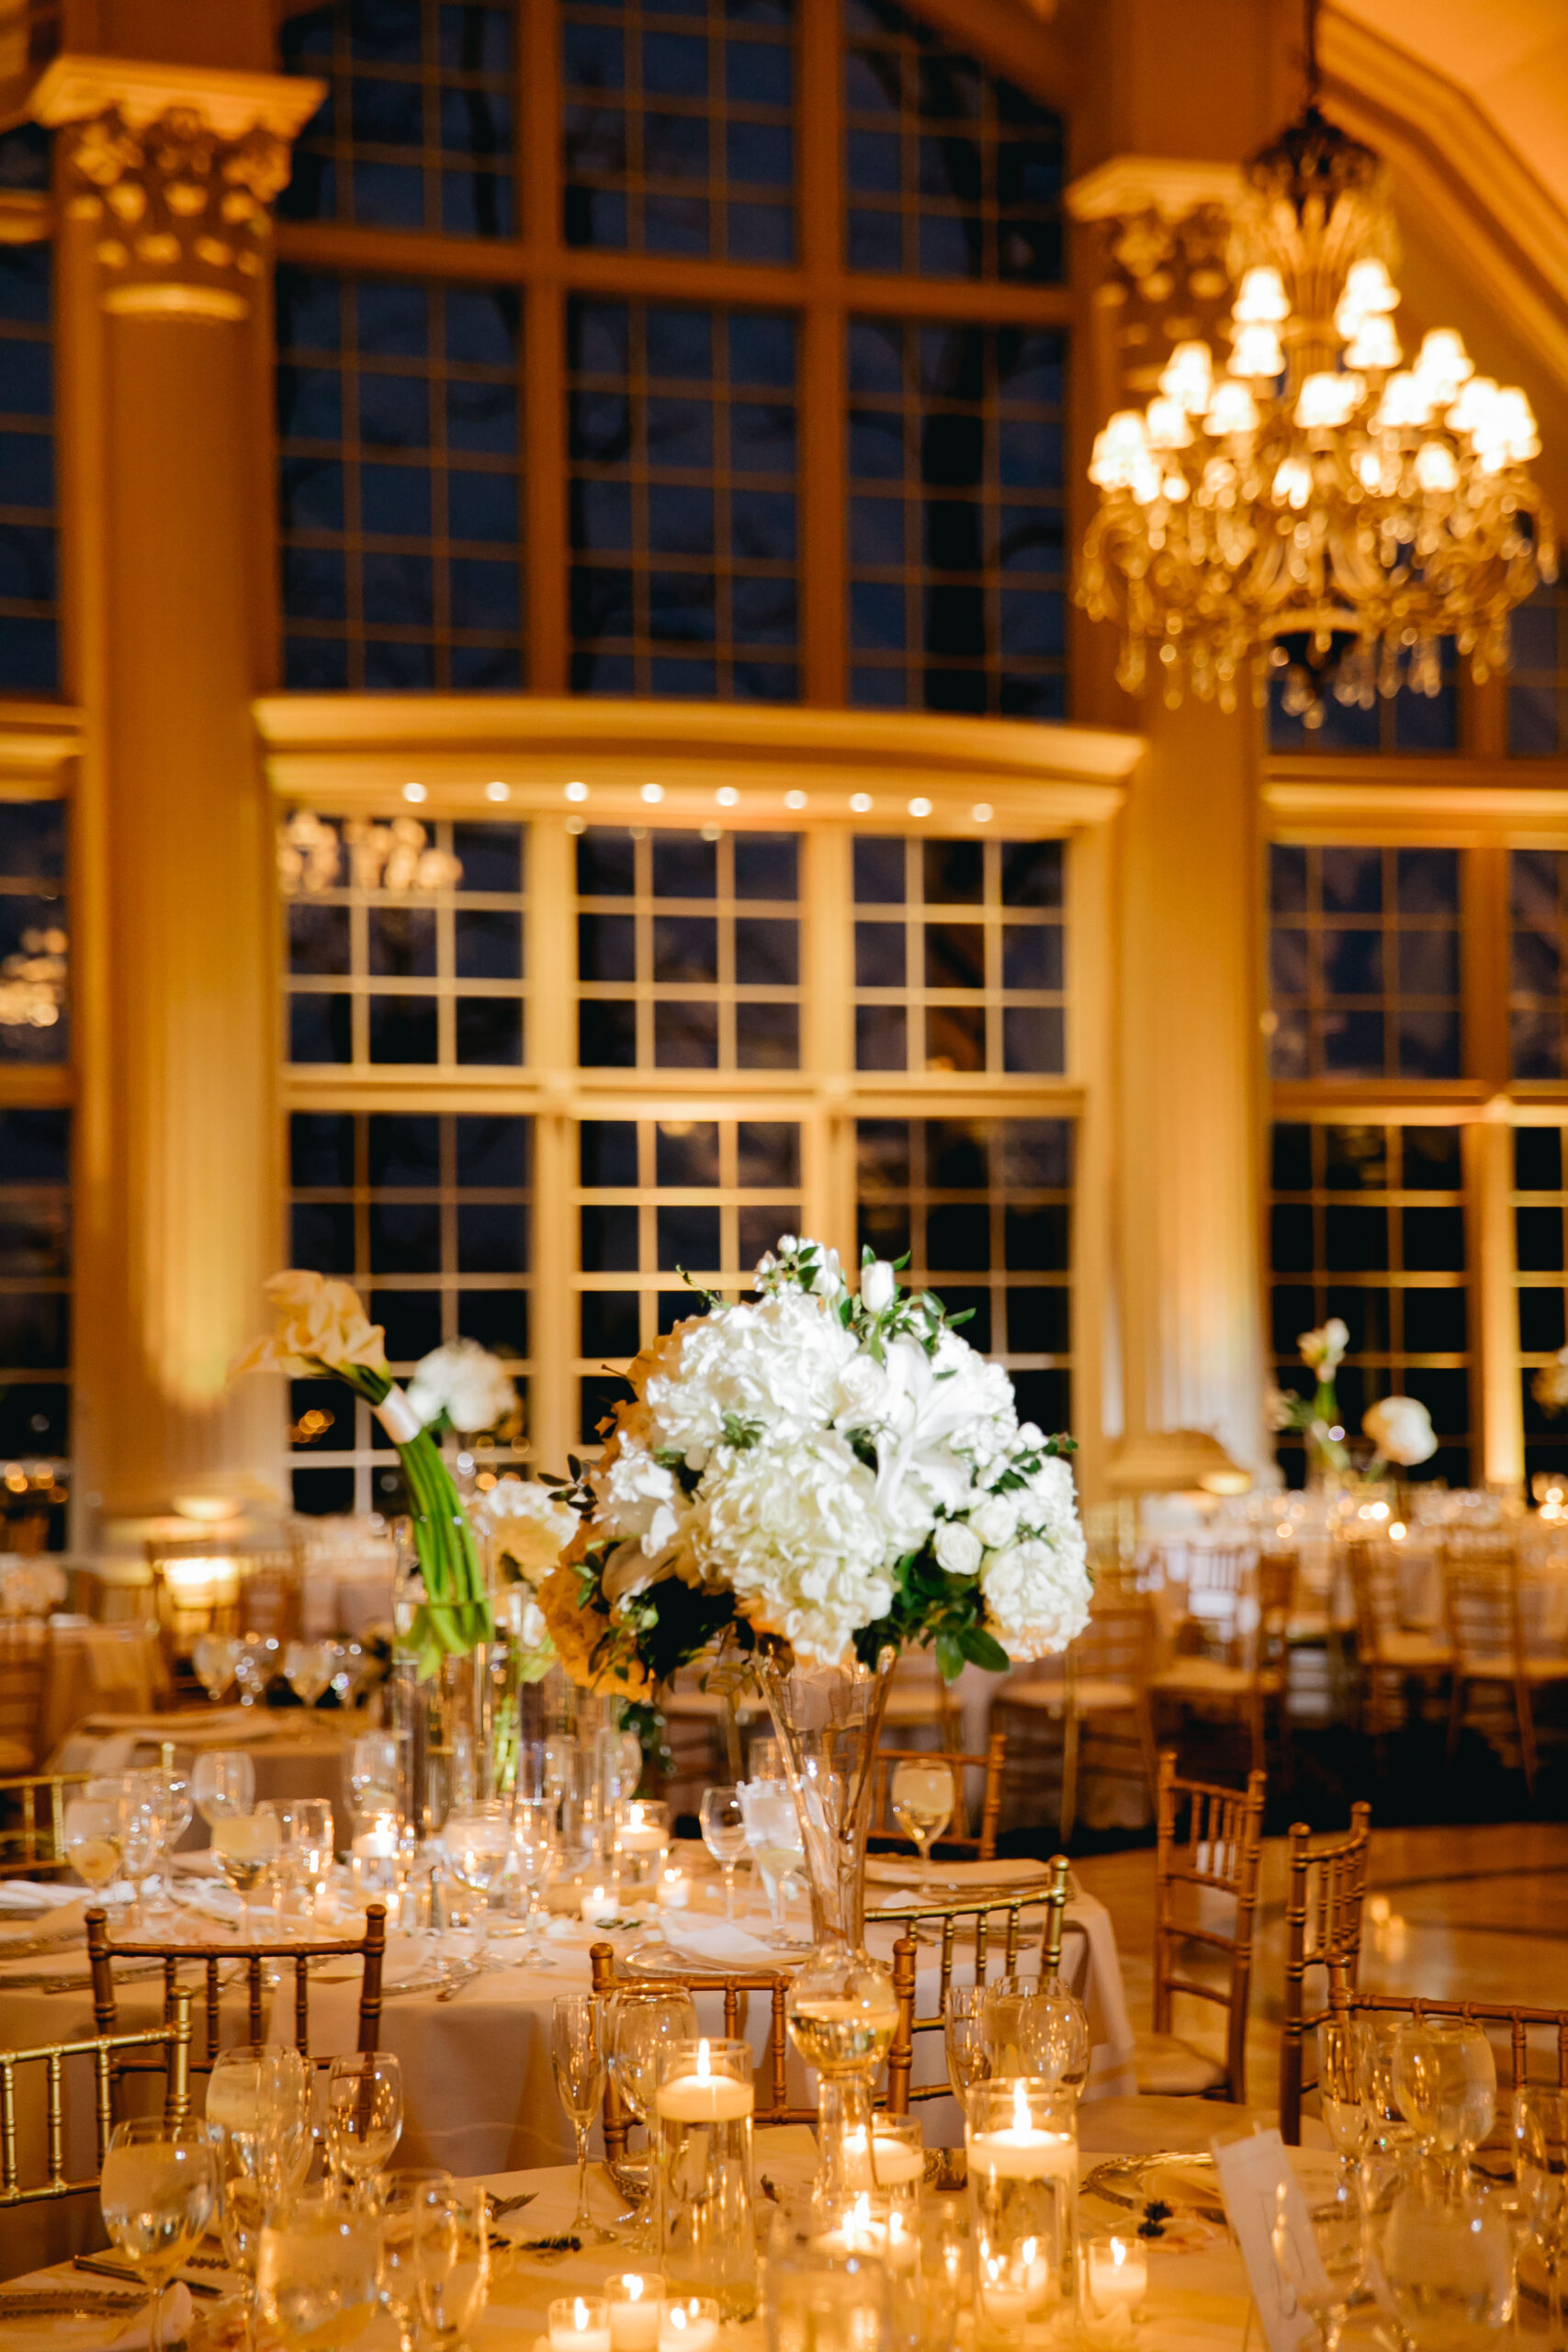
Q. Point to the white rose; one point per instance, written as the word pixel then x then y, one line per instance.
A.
pixel 958 1548
pixel 464 1381
pixel 995 1521
pixel 862 1385
pixel 637 1498
pixel 878 1286
pixel 1401 1429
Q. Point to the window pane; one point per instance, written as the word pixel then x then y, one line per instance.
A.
pixel 34 1327
pixel 959 955
pixel 29 594
pixel 1539 930
pixel 34 931
pixel 1364 963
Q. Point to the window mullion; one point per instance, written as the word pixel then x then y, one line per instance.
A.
pixel 1497 1408
pixel 820 202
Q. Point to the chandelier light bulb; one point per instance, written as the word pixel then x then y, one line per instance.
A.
pixel 1261 299
pixel 1328 400
pixel 1293 483
pixel 1436 470
pixel 1374 343
pixel 1257 352
pixel 1168 426
pixel 1407 404
pixel 1443 363
pixel 1471 413
pixel 1232 410
pixel 1188 377
pixel 1368 286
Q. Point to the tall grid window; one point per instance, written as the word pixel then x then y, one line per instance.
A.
pixel 403 942
pixel 688 950
pixel 956 571
pixel 1540 1200
pixel 959 956
pixel 684 507
pixel 400 432
pixel 29 594
pixel 1537 1004
pixel 416 132
pixel 656 1197
pixel 1538 682
pixel 428 1216
pixel 1367 1223
pixel 985 1208
pixel 34 939
pixel 35 1318
pixel 678 127
pixel 951 171
pixel 1364 962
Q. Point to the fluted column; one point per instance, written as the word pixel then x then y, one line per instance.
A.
pixel 168 175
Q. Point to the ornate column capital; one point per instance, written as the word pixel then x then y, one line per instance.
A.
pixel 1165 225
pixel 179 167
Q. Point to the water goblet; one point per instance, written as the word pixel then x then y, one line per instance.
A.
pixel 158 2191
pixel 223 1784
pixel 365 2114
pixel 243 1845
pixel 641 2026
pixel 724 1834
pixel 967 2037
pixel 578 2055
pixel 373 1774
pixel 1447 2256
pixel 318 2273
pixel 1324 2261
pixel 403 2196
pixel 314 1833
pixel 773 1836
pixel 451 2254
pixel 477 1841
pixel 1540 2172
pixel 307 1666
pixel 213 1656
pixel 92 1839
pixel 922 1797
pixel 255 1667
pixel 1053 2035
pixel 176 1809
pixel 1445 2080
pixel 140 1830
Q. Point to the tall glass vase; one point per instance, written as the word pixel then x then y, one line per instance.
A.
pixel 840 2007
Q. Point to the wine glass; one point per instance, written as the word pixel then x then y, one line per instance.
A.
pixel 773 1836
pixel 1445 2080
pixel 223 1784
pixel 402 2197
pixel 258 2103
pixel 314 1836
pixel 477 1841
pixel 373 1773
pixel 158 2192
pixel 245 1845
pixel 1326 2261
pixel 1447 2256
pixel 724 1834
pixel 307 1666
pixel 92 1839
pixel 364 2113
pixel 1540 2172
pixel 922 1797
pixel 140 1831
pixel 318 2273
pixel 1342 2085
pixel 451 2256
pixel 578 2054
pixel 255 1667
pixel 176 1808
pixel 967 2037
pixel 213 1657
pixel 641 2026
pixel 280 1869
pixel 534 1845
pixel 1053 2035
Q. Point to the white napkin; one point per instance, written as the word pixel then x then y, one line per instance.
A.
pixel 175 2311
pixel 63 1922
pixel 35 1894
pixel 717 1943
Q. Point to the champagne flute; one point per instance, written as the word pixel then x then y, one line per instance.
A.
pixel 641 2026
pixel 922 1797
pixel 967 2036
pixel 176 1808
pixel 223 1784
pixel 318 2273
pixel 1325 2262
pixel 403 2196
pixel 364 2113
pixel 1540 2171
pixel 534 1845
pixel 158 2192
pixel 578 2055
pixel 280 1869
pixel 314 1832
pixel 1342 2086
pixel 724 1834
pixel 451 2254
pixel 213 1657
pixel 92 1839
pixel 258 2104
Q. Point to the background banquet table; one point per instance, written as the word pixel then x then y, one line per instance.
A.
pixel 297 1751
pixel 95 1670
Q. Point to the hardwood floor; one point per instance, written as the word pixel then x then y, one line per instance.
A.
pixel 1481 1910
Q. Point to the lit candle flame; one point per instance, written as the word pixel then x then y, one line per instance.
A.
pixel 704 2069
pixel 581 2314
pixel 1019 2108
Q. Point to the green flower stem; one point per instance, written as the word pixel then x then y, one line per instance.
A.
pixel 457 1614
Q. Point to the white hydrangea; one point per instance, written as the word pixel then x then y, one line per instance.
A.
pixel 637 1498
pixel 776 1364
pixel 792 1524
pixel 464 1381
pixel 1037 1593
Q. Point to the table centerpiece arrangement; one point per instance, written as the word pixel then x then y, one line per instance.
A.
pixel 809 1483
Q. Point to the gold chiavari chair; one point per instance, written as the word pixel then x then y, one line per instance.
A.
pixel 253 1961
pixel 1389 1654
pixel 105 2051
pixel 1102 1680
pixel 981 1844
pixel 32 1822
pixel 773 2096
pixel 24 1675
pixel 1491 1660
pixel 1251 1674
pixel 1530 2044
pixel 1327 1881
pixel 951 1917
pixel 1218 1862
pixel 919 1698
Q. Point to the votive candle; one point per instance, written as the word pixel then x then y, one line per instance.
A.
pixel 580 2324
pixel 688 2324
pixel 636 2299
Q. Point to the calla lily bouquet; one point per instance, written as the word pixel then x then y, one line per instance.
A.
pixel 1317 1417
pixel 821 1472
pixel 323 1332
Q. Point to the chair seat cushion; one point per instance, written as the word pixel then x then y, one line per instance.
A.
pixel 915 1706
pixel 1092 1696
pixel 1210 1677
pixel 1415 1652
pixel 1167 2067
pixel 1500 1669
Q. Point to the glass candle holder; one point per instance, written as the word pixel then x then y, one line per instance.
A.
pixel 642 1843
pixel 580 2324
pixel 830 2288
pixel 1113 2277
pixel 1021 2140
pixel 636 2299
pixel 702 2157
pixel 890 2161
pixel 688 2324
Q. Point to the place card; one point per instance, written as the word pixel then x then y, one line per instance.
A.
pixel 1254 2174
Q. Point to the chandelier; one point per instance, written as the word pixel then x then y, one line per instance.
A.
pixel 32 982
pixel 396 857
pixel 1315 485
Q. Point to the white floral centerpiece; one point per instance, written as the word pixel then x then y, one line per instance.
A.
pixel 1317 1415
pixel 820 1475
pixel 323 1332
pixel 1401 1430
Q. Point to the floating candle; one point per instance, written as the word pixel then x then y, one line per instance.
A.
pixel 1021 2150
pixel 603 1903
pixel 703 2097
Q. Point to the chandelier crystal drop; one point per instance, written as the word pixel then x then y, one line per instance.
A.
pixel 1319 485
